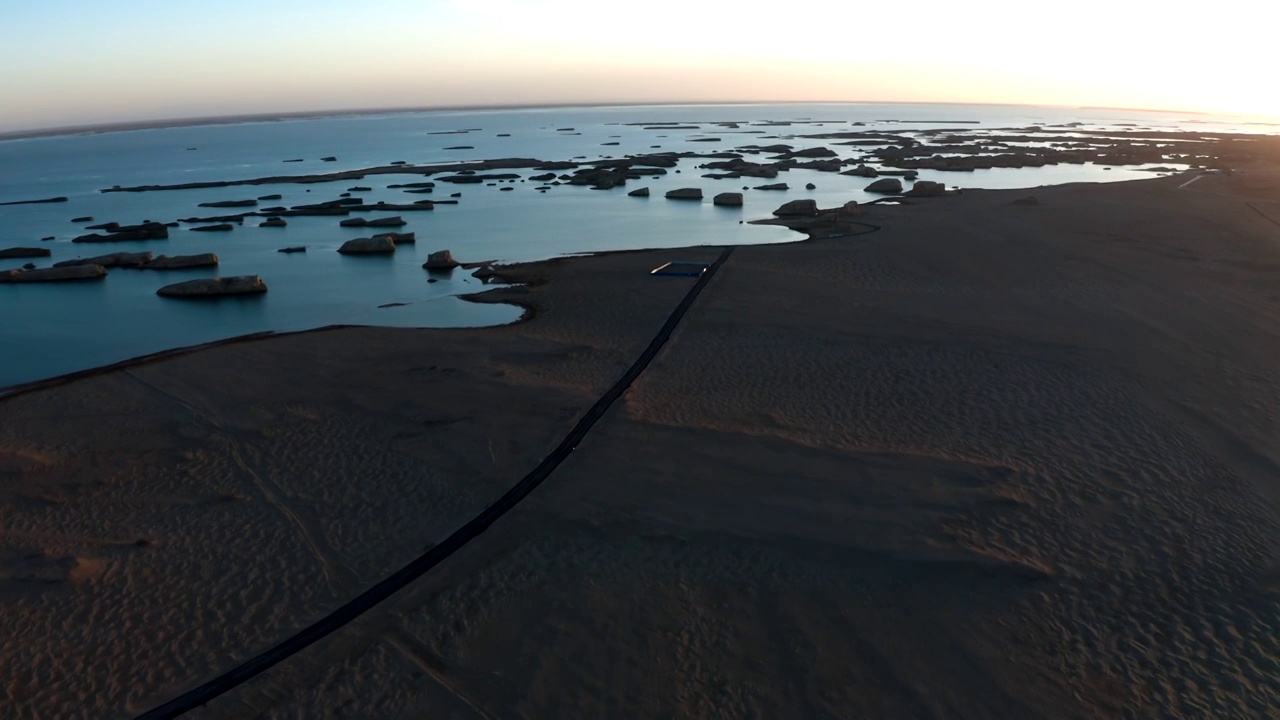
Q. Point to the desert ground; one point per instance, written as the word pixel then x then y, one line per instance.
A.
pixel 1000 459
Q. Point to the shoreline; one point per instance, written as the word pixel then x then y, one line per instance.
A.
pixel 24 388
pixel 510 278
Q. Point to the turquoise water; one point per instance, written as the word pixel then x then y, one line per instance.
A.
pixel 47 330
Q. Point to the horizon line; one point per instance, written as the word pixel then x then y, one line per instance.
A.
pixel 209 120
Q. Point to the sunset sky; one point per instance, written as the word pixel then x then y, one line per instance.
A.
pixel 77 62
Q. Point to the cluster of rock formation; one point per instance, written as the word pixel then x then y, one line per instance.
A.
pixel 806 216
pixel 115 232
pixel 383 244
pixel 887 157
pixel 93 268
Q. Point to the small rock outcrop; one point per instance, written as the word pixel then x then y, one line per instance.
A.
pixel 728 199
pixel 798 208
pixel 57 274
pixel 122 233
pixel 120 259
pixel 885 186
pixel 294 249
pixel 273 222
pixel 24 252
pixel 862 171
pixel 817 152
pixel 212 219
pixel 182 262
pixel 58 199
pixel 395 221
pixel 441 260
pixel 774 186
pixel 642 192
pixel 220 227
pixel 601 178
pixel 406 238
pixel 685 194
pixel 353 222
pixel 927 188
pixel 215 287
pixel 230 204
pixel 380 244
pixel 415 206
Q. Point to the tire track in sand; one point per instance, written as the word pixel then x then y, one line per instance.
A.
pixel 340 579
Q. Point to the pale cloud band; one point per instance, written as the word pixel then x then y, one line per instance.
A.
pixel 74 62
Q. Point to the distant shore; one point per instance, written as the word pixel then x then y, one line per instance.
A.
pixel 163 123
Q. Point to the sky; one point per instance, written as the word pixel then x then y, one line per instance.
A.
pixel 79 62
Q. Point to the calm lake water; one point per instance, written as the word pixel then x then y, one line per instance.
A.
pixel 47 330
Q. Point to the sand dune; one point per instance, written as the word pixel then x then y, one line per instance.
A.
pixel 992 461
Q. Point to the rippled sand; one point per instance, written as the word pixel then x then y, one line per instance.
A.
pixel 995 460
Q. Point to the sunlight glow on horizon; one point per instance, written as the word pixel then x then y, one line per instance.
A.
pixel 75 62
